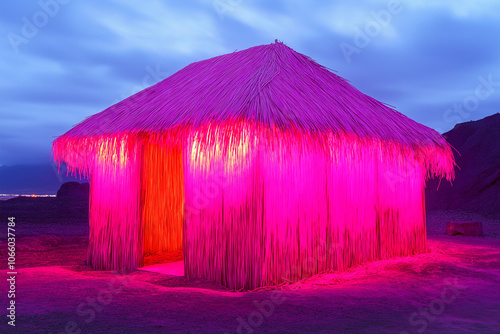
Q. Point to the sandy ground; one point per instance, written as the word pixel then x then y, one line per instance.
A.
pixel 455 289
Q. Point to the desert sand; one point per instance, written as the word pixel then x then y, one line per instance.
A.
pixel 455 288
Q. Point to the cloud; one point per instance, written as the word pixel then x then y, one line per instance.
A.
pixel 463 9
pixel 91 54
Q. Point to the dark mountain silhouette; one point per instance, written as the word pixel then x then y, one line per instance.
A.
pixel 477 184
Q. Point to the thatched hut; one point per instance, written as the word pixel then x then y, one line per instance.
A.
pixel 261 165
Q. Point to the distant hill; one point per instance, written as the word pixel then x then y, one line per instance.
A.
pixel 32 179
pixel 477 184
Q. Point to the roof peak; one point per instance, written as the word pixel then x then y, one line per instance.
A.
pixel 272 85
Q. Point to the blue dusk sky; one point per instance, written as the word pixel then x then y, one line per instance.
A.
pixel 438 62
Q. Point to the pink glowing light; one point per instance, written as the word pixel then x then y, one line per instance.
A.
pixel 256 180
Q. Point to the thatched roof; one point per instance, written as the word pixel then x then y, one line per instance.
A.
pixel 272 85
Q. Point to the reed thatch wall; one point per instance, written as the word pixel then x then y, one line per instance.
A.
pixel 261 165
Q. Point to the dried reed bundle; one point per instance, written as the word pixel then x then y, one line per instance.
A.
pixel 261 165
